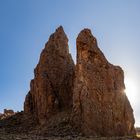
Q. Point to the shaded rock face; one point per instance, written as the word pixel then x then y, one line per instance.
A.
pixel 51 89
pixel 100 106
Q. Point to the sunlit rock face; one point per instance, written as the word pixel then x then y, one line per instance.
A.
pixel 100 106
pixel 51 89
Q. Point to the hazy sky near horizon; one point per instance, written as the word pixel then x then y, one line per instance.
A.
pixel 25 26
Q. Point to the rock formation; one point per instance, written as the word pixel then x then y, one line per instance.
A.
pixel 94 92
pixel 6 113
pixel 51 89
pixel 100 106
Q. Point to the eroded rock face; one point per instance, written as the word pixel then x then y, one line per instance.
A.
pixel 51 89
pixel 7 113
pixel 100 106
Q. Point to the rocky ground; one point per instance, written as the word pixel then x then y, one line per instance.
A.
pixel 17 127
pixel 36 137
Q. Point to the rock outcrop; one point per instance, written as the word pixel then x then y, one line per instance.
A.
pixel 51 89
pixel 100 105
pixel 92 96
pixel 6 114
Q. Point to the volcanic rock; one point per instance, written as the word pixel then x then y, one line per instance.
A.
pixel 100 105
pixel 92 96
pixel 8 111
pixel 51 89
pixel 6 114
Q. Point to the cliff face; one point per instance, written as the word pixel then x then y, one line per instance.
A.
pixel 100 106
pixel 94 91
pixel 51 89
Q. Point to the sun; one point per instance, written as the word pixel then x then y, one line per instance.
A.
pixel 131 90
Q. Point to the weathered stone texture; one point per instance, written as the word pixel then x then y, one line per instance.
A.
pixel 6 114
pixel 94 91
pixel 51 89
pixel 100 105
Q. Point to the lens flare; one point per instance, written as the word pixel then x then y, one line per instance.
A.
pixel 131 91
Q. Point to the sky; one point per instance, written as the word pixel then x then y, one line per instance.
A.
pixel 25 26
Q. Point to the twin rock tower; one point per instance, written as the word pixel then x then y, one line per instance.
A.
pixel 92 91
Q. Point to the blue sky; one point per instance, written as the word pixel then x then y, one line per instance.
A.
pixel 25 26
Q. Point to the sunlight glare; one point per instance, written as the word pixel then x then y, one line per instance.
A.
pixel 131 91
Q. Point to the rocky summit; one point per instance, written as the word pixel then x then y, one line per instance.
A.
pixel 100 105
pixel 51 89
pixel 85 101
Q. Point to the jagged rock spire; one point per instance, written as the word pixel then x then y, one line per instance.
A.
pixel 51 89
pixel 100 106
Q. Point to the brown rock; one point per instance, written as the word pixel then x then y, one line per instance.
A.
pixel 100 105
pixel 51 89
pixel 8 111
pixel 6 114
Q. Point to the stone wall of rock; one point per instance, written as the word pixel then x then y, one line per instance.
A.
pixel 51 89
pixel 100 105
